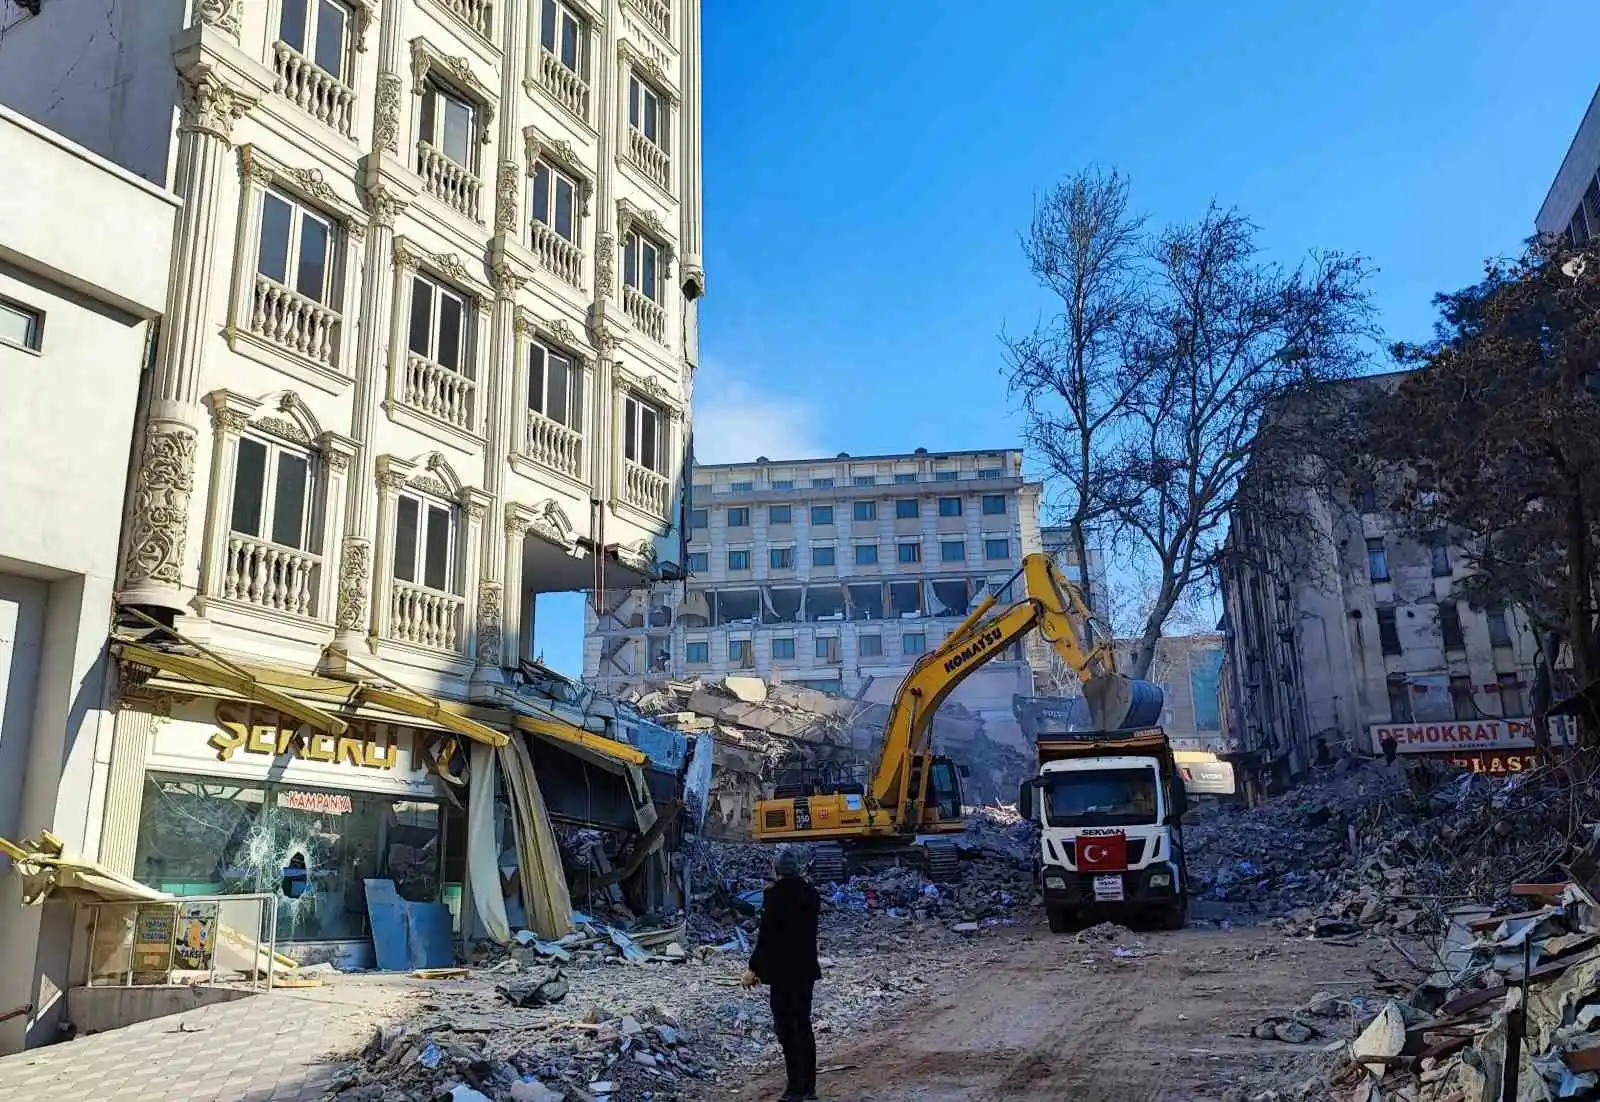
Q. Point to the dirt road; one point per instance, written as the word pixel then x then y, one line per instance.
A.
pixel 1036 1016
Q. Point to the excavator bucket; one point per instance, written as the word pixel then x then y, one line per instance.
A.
pixel 1118 703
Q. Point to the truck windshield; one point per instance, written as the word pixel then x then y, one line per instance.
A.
pixel 1102 797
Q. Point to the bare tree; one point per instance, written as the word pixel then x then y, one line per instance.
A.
pixel 1083 246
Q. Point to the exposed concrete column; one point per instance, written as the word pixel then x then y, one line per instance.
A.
pixel 217 85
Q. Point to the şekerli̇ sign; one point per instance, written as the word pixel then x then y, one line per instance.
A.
pixel 1457 735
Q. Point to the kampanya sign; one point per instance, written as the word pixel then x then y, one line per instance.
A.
pixel 1477 734
pixel 237 730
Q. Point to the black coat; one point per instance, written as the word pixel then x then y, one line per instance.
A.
pixel 786 945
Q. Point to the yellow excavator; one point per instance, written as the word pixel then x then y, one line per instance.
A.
pixel 915 793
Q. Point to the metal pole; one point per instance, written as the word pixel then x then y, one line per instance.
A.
pixel 1517 1025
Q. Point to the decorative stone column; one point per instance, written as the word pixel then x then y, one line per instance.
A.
pixel 391 480
pixel 217 85
pixel 511 645
pixel 689 202
pixel 498 419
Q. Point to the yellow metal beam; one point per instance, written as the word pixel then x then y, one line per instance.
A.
pixel 562 732
pixel 234 679
pixel 412 703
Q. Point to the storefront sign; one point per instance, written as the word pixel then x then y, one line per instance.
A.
pixel 328 803
pixel 152 942
pixel 1478 734
pixel 258 731
pixel 1495 762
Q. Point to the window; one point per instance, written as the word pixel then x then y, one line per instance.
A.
pixel 425 542
pixel 781 558
pixel 699 562
pixel 739 518
pixel 1367 500
pixel 780 514
pixel 822 556
pixel 952 551
pixel 738 560
pixel 990 472
pixel 821 516
pixel 783 648
pixel 697 654
pixel 902 478
pixel 642 440
pixel 272 494
pixel 871 646
pixel 1399 701
pixel 1499 628
pixel 554 201
pixel 822 483
pixel 865 510
pixel 555 386
pixel 908 553
pixel 448 125
pixel 949 506
pixel 994 505
pixel 646 113
pixel 20 326
pixel 438 324
pixel 1440 553
pixel 561 33
pixel 866 554
pixel 783 483
pixel 1377 561
pixel 699 518
pixel 906 509
pixel 827 647
pixel 864 480
pixel 741 487
pixel 316 29
pixel 740 652
pixel 1450 626
pixel 1388 631
pixel 1461 697
pixel 295 249
pixel 945 476
pixel 997 549
pixel 1510 696
pixel 641 266
pixel 913 642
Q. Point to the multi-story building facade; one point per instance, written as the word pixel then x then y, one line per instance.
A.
pixel 833 573
pixel 1572 205
pixel 427 351
pixel 1344 627
pixel 77 325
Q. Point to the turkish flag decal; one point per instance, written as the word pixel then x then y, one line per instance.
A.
pixel 1102 852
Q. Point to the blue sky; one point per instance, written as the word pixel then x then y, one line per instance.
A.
pixel 869 164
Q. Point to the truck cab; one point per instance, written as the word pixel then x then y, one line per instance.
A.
pixel 1108 809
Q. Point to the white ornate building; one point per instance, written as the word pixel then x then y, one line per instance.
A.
pixel 429 342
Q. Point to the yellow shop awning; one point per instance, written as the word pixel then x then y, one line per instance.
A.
pixel 434 711
pixel 232 678
pixel 587 740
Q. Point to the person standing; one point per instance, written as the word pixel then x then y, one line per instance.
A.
pixel 785 959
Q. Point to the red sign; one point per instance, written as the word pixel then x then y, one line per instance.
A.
pixel 328 803
pixel 1102 852
pixel 1494 762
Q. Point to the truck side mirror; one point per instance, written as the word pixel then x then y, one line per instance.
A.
pixel 1180 800
pixel 965 772
pixel 1025 801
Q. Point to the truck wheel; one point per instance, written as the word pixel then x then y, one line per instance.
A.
pixel 1175 915
pixel 1060 919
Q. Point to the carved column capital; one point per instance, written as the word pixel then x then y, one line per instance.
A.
pixel 210 106
pixel 221 14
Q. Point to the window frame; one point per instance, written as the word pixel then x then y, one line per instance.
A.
pixel 555 175
pixel 780 558
pixel 864 511
pixel 989 499
pixel 747 646
pixel 989 543
pixel 816 523
pixel 633 409
pixel 877 646
pixel 426 505
pixel 861 549
pixel 435 90
pixel 745 552
pixel 902 513
pixel 958 507
pixel 270 472
pixel 774 648
pixel 959 545
pixel 311 36
pixel 634 254
pixel 299 212
pixel 1510 684
pixel 921 638
pixel 641 92
pixel 33 338
pixel 786 510
pixel 699 519
pixel 1385 646
pixel 739 516
pixel 689 652
pixel 576 394
pixel 438 291
pixel 1439 559
pixel 1460 689
pixel 580 49
pixel 1452 632
pixel 913 547
pixel 1377 560
pixel 1501 617
pixel 704 560
pixel 833 557
pixel 1400 710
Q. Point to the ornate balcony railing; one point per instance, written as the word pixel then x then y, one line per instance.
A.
pixel 569 89
pixel 449 183
pixel 434 389
pixel 313 89
pixel 647 314
pixel 557 254
pixel 644 489
pixel 658 14
pixel 269 576
pixel 426 617
pixel 294 322
pixel 477 14
pixel 551 444
pixel 650 157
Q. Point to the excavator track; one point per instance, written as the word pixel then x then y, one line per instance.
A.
pixel 943 859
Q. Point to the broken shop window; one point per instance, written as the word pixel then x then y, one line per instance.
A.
pixel 660 647
pixel 905 598
pixel 866 602
pixel 948 597
pixel 782 606
pixel 736 606
pixel 824 602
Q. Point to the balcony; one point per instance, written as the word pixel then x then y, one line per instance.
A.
pixel 657 14
pixel 650 157
pixel 295 323
pixel 643 489
pixel 553 445
pixel 426 617
pixel 315 91
pixel 477 14
pixel 558 255
pixel 434 389
pixel 646 313
pixel 268 576
pixel 449 183
pixel 569 89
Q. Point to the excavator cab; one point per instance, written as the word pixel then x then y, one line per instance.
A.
pixel 944 792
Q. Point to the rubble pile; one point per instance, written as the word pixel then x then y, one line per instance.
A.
pixel 1380 848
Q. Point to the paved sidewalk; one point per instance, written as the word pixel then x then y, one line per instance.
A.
pixel 269 1047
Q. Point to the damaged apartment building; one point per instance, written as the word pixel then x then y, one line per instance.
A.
pixel 835 575
pixel 425 353
pixel 1346 630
